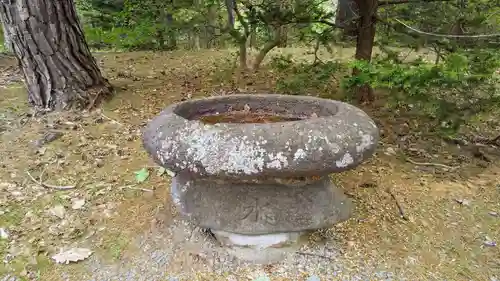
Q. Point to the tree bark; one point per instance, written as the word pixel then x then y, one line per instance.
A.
pixel 267 48
pixel 211 40
pixel 364 43
pixel 232 11
pixel 243 54
pixel 252 42
pixel 284 37
pixel 59 70
pixel 347 12
pixel 6 43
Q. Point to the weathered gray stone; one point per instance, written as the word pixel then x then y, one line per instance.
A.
pixel 262 208
pixel 338 139
pixel 266 248
pixel 275 240
pixel 259 182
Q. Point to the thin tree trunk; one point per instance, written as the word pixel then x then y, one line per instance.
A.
pixel 59 70
pixel 6 43
pixel 285 6
pixel 267 48
pixel 232 11
pixel 364 44
pixel 171 32
pixel 347 12
pixel 243 55
pixel 196 37
pixel 253 37
pixel 160 38
pixel 284 36
pixel 211 40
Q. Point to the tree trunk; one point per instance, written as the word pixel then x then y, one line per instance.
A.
pixel 160 38
pixel 253 37
pixel 171 32
pixel 196 40
pixel 346 14
pixel 6 43
pixel 211 40
pixel 284 37
pixel 243 55
pixel 364 43
pixel 267 48
pixel 59 70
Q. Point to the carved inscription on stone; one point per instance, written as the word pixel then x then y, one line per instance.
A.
pixel 258 209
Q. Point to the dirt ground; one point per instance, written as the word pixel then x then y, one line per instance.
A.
pixel 426 209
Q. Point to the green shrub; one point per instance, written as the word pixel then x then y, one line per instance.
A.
pixel 451 93
pixel 301 77
pixel 141 37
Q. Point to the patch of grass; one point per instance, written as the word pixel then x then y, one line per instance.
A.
pixel 12 215
pixel 117 247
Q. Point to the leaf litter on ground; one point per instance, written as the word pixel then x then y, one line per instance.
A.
pixel 72 255
pixel 93 148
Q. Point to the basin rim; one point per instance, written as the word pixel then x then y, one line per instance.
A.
pixel 315 146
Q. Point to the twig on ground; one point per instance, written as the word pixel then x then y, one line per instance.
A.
pixel 111 119
pixel 46 185
pixel 430 164
pixel 133 187
pixel 314 255
pixel 400 208
pixel 40 177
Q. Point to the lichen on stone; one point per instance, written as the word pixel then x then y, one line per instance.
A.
pixel 216 151
pixel 299 154
pixel 277 161
pixel 345 161
pixel 367 141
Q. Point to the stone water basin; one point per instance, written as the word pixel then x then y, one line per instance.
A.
pixel 254 168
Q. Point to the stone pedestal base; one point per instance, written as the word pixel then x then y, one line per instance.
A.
pixel 260 208
pixel 267 248
pixel 260 222
pixel 249 208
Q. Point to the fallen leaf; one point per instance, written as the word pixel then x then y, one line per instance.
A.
pixel 142 175
pixel 490 243
pixel 72 255
pixel 464 202
pixel 170 173
pixel 390 151
pixel 77 203
pixel 3 233
pixel 58 211
pixel 262 278
pixel 160 171
pixel 313 278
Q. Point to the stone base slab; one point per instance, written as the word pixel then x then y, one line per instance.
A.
pixel 266 248
pixel 253 209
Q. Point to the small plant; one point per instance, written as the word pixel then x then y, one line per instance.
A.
pixel 301 77
pixel 451 93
